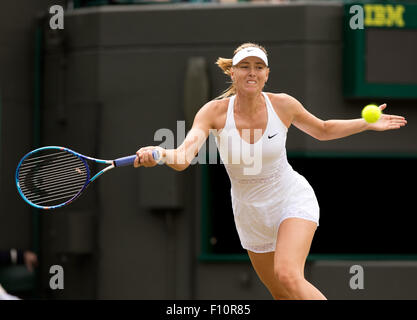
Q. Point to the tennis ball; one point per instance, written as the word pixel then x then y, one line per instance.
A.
pixel 371 113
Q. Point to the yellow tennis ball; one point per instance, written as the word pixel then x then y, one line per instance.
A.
pixel 371 113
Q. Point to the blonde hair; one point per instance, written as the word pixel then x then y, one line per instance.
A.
pixel 227 64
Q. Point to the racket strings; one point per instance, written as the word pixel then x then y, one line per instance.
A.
pixel 52 177
pixel 68 195
pixel 55 155
pixel 56 183
pixel 53 188
pixel 58 172
pixel 50 168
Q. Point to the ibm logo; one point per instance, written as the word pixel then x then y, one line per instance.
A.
pixel 376 15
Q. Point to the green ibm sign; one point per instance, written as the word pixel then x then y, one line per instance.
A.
pixel 380 50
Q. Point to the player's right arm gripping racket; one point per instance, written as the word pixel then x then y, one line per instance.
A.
pixel 52 177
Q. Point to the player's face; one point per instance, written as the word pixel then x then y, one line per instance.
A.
pixel 250 75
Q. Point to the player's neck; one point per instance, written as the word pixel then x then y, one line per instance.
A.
pixel 249 104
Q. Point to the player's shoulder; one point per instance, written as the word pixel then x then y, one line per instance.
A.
pixel 283 99
pixel 215 107
pixel 218 105
pixel 283 102
pixel 285 105
pixel 214 112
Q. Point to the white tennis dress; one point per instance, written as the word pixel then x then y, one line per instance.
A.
pixel 265 188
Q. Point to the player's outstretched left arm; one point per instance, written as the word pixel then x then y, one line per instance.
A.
pixel 336 129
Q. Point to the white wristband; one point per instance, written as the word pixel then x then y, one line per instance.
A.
pixel 161 159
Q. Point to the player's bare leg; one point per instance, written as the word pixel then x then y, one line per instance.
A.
pixel 263 263
pixel 293 244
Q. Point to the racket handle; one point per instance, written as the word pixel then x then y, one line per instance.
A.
pixel 127 161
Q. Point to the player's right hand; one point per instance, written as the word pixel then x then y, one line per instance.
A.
pixel 144 157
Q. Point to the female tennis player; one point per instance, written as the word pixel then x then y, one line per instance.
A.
pixel 275 209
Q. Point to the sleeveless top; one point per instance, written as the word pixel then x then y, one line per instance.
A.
pixel 259 173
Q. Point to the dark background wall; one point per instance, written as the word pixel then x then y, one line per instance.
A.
pixel 111 79
pixel 17 74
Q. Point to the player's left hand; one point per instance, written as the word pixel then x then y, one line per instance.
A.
pixel 388 121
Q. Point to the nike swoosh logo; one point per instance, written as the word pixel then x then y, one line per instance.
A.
pixel 270 137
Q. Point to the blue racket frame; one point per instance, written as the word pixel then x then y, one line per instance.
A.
pixel 125 161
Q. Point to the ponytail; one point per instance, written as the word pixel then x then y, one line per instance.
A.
pixel 226 66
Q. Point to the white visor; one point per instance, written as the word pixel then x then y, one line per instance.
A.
pixel 250 52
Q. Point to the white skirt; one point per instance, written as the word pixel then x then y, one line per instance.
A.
pixel 257 222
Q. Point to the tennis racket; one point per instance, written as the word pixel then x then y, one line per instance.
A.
pixel 52 177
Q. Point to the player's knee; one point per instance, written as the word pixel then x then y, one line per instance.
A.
pixel 287 276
